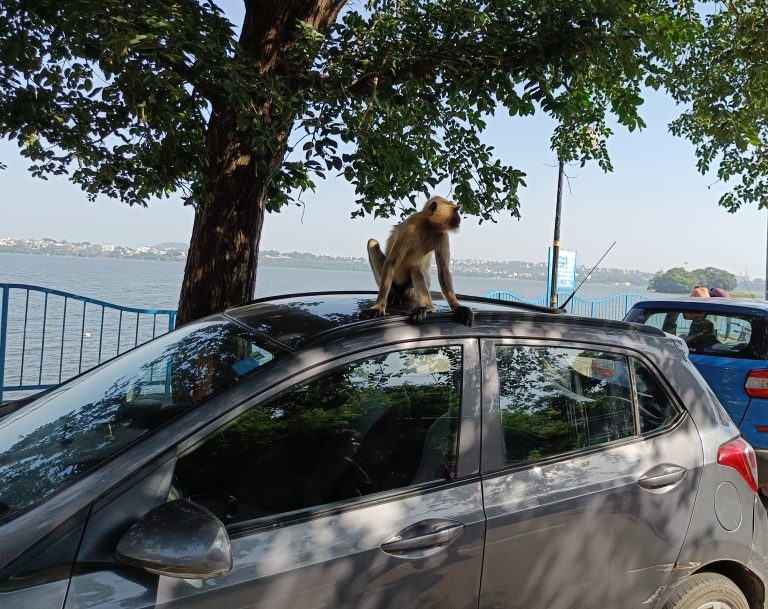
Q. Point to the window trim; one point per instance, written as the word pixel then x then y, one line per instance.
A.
pixel 468 435
pixel 493 457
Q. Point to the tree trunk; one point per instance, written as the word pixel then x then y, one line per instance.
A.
pixel 223 252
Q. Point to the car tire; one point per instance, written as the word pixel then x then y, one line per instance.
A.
pixel 707 591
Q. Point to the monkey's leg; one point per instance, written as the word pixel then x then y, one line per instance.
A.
pixel 380 306
pixel 377 259
pixel 420 281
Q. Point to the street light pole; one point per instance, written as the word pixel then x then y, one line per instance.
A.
pixel 766 267
pixel 556 239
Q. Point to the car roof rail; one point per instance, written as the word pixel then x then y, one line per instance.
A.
pixel 514 304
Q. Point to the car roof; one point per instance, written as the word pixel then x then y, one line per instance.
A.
pixel 697 303
pixel 296 320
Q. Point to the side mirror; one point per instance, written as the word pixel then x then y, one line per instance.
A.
pixel 177 539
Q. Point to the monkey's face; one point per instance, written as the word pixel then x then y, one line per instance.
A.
pixel 455 217
pixel 444 213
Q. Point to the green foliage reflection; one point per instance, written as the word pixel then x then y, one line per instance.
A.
pixel 558 400
pixel 373 425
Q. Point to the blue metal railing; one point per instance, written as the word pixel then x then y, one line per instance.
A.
pixel 611 307
pixel 48 336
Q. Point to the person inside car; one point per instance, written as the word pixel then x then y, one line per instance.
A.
pixel 702 332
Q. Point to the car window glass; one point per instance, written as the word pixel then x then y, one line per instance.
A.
pixel 56 439
pixel 655 409
pixel 556 400
pixel 377 424
pixel 710 332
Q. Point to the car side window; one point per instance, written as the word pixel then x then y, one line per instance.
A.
pixel 655 409
pixel 377 424
pixel 710 332
pixel 557 400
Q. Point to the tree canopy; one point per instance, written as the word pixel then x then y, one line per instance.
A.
pixel 723 83
pixel 118 94
pixel 136 100
pixel 679 281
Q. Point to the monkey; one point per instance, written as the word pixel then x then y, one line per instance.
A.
pixel 404 269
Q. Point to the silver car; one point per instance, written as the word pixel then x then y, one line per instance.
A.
pixel 287 455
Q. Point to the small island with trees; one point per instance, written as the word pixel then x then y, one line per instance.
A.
pixel 677 280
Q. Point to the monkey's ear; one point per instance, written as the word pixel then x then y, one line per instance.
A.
pixel 433 207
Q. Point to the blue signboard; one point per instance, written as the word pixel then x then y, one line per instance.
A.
pixel 566 271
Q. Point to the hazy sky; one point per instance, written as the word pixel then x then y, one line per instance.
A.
pixel 655 205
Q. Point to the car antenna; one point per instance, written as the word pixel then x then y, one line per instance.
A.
pixel 744 279
pixel 562 306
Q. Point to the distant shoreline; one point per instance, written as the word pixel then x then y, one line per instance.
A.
pixel 492 269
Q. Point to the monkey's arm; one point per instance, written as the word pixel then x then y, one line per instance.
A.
pixel 443 258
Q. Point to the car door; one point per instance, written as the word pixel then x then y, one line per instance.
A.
pixel 355 487
pixel 726 376
pixel 589 477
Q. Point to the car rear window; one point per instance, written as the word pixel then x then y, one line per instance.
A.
pixel 710 332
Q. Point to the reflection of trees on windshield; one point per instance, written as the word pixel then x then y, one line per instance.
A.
pixel 557 400
pixel 70 432
pixel 361 428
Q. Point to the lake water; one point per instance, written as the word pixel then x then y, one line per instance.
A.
pixel 156 284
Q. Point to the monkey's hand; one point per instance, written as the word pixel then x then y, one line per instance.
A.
pixel 464 315
pixel 419 313
pixel 373 312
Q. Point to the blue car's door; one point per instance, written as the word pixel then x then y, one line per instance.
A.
pixel 726 376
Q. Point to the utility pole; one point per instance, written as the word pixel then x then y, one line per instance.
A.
pixel 766 267
pixel 556 239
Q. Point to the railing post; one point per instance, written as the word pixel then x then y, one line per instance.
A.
pixel 171 321
pixel 3 337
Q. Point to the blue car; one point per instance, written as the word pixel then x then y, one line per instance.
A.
pixel 727 341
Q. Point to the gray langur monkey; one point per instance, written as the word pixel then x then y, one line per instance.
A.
pixel 404 268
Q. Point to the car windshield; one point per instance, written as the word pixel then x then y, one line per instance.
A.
pixel 73 429
pixel 710 332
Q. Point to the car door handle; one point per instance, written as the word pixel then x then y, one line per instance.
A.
pixel 425 535
pixel 661 476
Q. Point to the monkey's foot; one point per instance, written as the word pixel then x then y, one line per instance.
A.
pixel 372 313
pixel 419 313
pixel 464 315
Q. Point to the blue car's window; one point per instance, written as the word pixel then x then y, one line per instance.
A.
pixel 64 434
pixel 710 332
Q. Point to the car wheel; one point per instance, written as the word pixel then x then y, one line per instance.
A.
pixel 707 591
